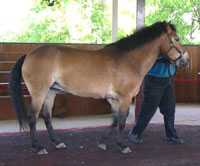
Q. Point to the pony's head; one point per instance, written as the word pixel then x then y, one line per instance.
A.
pixel 172 47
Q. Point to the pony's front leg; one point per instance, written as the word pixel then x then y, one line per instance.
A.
pixel 122 123
pixel 103 141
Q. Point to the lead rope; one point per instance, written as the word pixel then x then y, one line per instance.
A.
pixel 170 76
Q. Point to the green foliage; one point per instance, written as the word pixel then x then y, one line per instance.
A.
pixel 52 3
pixel 121 33
pixel 101 25
pixel 42 33
pixel 42 26
pixel 184 14
pixel 89 21
pixel 61 21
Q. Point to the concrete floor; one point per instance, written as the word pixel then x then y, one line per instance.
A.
pixel 188 114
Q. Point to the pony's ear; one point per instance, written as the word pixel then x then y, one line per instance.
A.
pixel 168 25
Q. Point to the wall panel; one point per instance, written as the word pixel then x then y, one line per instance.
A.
pixel 187 85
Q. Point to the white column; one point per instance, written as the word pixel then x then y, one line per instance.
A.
pixel 140 14
pixel 114 19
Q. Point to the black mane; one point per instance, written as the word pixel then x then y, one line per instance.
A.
pixel 142 36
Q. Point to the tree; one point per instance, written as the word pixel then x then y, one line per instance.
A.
pixel 51 3
pixel 100 23
pixel 63 21
pixel 185 14
pixel 68 21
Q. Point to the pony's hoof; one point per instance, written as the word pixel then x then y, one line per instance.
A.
pixel 61 145
pixel 42 151
pixel 126 150
pixel 102 146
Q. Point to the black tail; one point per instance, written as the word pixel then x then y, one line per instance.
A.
pixel 16 94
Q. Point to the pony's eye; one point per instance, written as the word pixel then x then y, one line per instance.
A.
pixel 176 38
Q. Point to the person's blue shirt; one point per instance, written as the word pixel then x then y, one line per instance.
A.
pixel 160 68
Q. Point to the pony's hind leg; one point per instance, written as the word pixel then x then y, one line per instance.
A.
pixel 35 107
pixel 46 115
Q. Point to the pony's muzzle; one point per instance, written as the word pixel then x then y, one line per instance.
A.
pixel 183 61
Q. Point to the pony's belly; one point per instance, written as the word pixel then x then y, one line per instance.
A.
pixel 83 91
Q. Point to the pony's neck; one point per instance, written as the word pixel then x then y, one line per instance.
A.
pixel 144 57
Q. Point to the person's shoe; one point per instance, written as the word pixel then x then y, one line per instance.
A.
pixel 135 138
pixel 174 140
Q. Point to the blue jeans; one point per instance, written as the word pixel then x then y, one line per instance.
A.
pixel 157 92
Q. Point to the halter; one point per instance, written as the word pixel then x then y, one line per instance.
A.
pixel 173 46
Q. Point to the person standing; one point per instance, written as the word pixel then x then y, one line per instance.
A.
pixel 158 91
